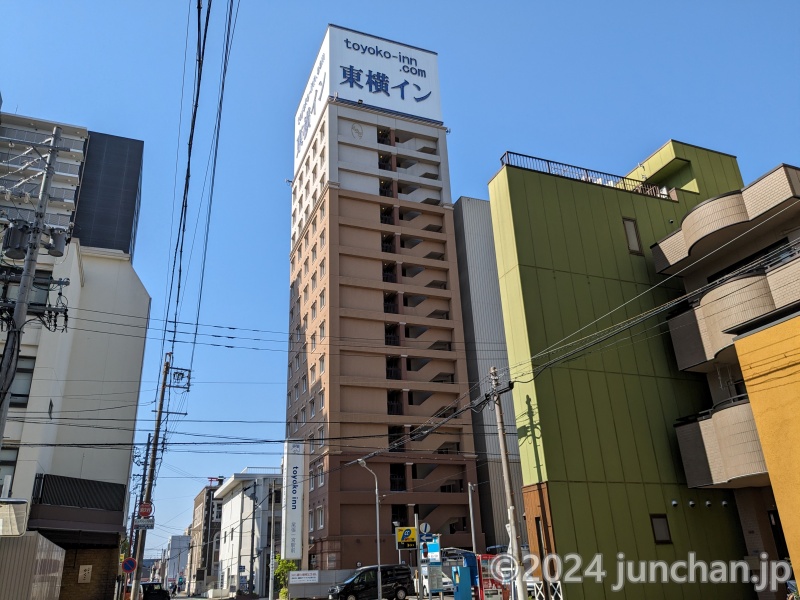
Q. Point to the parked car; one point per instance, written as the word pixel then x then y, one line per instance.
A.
pixel 396 582
pixel 153 590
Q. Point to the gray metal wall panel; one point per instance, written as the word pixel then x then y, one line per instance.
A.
pixel 30 568
pixel 486 347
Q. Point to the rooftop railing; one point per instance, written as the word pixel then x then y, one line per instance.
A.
pixel 542 165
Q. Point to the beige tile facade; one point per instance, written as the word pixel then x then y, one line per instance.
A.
pixel 377 343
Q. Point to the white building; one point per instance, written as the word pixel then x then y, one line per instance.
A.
pixel 177 558
pixel 69 439
pixel 251 511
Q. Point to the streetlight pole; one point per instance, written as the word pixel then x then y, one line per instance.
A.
pixel 399 556
pixel 472 487
pixel 377 525
pixel 272 541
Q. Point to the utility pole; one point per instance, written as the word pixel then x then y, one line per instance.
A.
pixel 272 541
pixel 8 364
pixel 253 538
pixel 522 589
pixel 148 493
pixel 141 494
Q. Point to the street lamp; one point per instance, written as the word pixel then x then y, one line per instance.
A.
pixel 362 463
pixel 399 556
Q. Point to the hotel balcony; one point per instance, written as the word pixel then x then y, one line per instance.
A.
pixel 720 447
pixel 719 220
pixel 700 334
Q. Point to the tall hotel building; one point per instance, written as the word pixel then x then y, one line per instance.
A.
pixel 377 344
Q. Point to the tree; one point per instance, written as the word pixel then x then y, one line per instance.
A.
pixel 282 569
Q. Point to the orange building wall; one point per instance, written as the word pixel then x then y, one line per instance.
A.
pixel 770 361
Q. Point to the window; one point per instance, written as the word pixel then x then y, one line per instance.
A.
pixel 305 267
pixel 291 314
pixel 225 536
pixel 314 230
pixel 288 399
pixel 322 209
pixel 305 239
pixel 322 268
pixel 314 281
pixel 311 478
pixel 305 294
pixel 322 239
pixel 632 233
pixel 297 334
pixel 304 382
pixel 320 476
pixel 322 399
pixel 297 362
pixel 311 446
pixel 314 247
pixel 322 331
pixel 660 529
pixel 321 365
pixel 290 370
pixel 322 298
pixel 8 464
pixel 311 520
pixel 296 392
pixel 217 512
pixel 313 341
pixel 313 374
pixel 320 517
pixel 295 423
pixel 21 386
pixel 305 323
pixel 303 416
pixel 313 311
pixel 321 436
pixel 312 407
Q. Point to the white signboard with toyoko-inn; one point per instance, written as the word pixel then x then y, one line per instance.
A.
pixel 371 71
pixel 292 505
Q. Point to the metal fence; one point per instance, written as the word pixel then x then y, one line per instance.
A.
pixel 542 165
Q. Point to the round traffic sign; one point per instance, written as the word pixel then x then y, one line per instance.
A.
pixel 145 509
pixel 129 565
pixel 424 527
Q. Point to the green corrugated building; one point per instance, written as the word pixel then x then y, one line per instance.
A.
pixel 601 465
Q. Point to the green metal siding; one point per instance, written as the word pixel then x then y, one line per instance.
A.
pixel 599 429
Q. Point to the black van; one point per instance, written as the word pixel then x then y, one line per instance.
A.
pixel 396 581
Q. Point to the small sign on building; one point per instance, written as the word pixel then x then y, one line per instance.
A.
pixel 296 577
pixel 85 574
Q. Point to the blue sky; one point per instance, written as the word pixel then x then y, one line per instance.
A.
pixel 596 84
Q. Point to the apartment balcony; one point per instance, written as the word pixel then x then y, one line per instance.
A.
pixel 718 220
pixel 720 447
pixel 701 333
pixel 421 195
pixel 424 145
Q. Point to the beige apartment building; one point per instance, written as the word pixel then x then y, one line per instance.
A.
pixel 377 344
pixel 737 254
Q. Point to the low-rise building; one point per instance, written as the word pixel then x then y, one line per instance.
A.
pixel 251 526
pixel 205 539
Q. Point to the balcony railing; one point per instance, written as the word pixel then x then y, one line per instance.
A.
pixel 389 277
pixel 80 493
pixel 542 165
pixel 393 373
pixel 24 135
pixel 387 219
pixel 392 339
pixel 387 246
